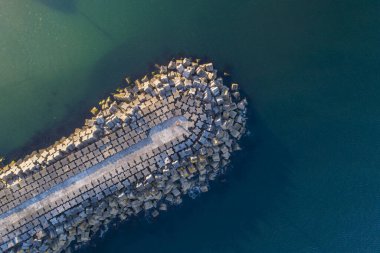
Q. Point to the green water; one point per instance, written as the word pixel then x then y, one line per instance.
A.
pixel 308 179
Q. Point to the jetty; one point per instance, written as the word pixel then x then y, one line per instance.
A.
pixel 160 138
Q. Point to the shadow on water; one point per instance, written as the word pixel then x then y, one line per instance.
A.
pixel 66 6
pixel 70 7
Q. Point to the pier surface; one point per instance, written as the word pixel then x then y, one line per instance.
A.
pixel 158 139
pixel 159 136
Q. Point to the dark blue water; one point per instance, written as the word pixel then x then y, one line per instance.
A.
pixel 308 179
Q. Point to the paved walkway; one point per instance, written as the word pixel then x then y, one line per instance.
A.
pixel 158 135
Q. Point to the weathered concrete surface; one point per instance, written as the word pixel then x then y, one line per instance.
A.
pixel 159 135
pixel 157 140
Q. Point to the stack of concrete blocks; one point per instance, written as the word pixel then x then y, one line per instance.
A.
pixel 122 162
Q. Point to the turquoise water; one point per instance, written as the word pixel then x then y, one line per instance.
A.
pixel 308 179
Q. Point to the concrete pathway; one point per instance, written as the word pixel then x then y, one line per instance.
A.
pixel 158 135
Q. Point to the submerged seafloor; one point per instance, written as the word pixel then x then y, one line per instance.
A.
pixel 309 69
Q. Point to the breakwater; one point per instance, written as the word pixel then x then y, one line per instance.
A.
pixel 161 137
